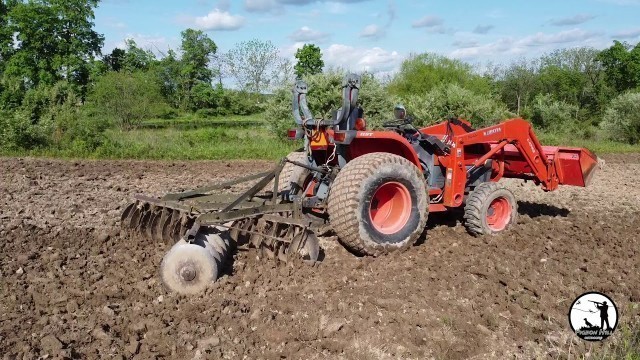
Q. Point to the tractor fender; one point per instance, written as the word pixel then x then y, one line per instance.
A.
pixel 365 142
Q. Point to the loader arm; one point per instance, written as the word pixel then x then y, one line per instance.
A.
pixel 516 152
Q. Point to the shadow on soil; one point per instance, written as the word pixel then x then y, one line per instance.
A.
pixel 534 210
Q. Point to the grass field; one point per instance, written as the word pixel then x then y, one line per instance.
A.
pixel 190 137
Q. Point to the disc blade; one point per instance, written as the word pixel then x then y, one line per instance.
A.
pixel 145 222
pixel 176 227
pixel 125 218
pixel 134 219
pixel 168 226
pixel 156 224
pixel 312 246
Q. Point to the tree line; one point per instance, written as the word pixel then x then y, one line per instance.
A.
pixel 58 89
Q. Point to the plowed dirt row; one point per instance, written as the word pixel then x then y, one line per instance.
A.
pixel 72 286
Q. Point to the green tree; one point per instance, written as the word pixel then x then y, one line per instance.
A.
pixel 115 61
pixel 197 50
pixel 421 73
pixel 517 84
pixel 621 120
pixel 251 64
pixel 574 76
pixel 548 112
pixel 55 40
pixel 621 64
pixel 452 100
pixel 168 72
pixel 126 99
pixel 309 60
pixel 6 36
pixel 134 58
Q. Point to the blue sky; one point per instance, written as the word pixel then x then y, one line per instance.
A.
pixel 376 35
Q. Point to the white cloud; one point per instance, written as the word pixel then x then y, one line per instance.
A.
pixel 375 60
pixel 524 45
pixel 483 29
pixel 289 52
pixel 372 31
pixel 572 20
pixel 223 5
pixel 159 45
pixel 465 44
pixel 332 6
pixel 557 38
pixel 429 21
pixel 219 20
pixel 305 33
pixel 262 5
pixel 433 24
pixel 627 34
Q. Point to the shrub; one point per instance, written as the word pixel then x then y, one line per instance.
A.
pixel 75 128
pixel 621 120
pixel 19 132
pixel 126 99
pixel 325 95
pixel 424 72
pixel 452 100
pixel 552 114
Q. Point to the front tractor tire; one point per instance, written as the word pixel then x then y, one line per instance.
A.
pixel 378 203
pixel 490 209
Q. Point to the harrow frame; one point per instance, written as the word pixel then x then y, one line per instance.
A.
pixel 179 216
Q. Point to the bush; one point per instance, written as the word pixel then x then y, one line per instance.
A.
pixel 325 96
pixel 126 99
pixel 235 102
pixel 547 113
pixel 451 100
pixel 621 120
pixel 424 72
pixel 75 128
pixel 19 132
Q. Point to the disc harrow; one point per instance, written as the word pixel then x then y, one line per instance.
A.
pixel 204 228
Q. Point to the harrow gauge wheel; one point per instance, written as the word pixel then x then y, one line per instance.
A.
pixel 490 209
pixel 378 203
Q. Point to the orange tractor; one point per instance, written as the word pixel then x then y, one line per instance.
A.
pixel 373 189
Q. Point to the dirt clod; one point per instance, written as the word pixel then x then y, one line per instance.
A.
pixel 51 345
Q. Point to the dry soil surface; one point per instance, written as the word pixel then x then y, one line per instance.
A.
pixel 72 286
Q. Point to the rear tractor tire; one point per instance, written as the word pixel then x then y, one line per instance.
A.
pixel 490 209
pixel 378 203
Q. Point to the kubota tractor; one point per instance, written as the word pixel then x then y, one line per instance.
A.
pixel 373 189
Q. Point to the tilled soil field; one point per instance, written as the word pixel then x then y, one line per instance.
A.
pixel 72 286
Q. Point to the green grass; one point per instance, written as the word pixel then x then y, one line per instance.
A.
pixel 195 144
pixel 220 143
pixel 193 121
pixel 192 137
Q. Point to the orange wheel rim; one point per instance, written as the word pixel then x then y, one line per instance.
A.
pixel 498 214
pixel 390 208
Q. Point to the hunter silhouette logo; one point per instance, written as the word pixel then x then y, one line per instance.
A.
pixel 593 316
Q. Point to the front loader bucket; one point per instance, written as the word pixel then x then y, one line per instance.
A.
pixel 575 166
